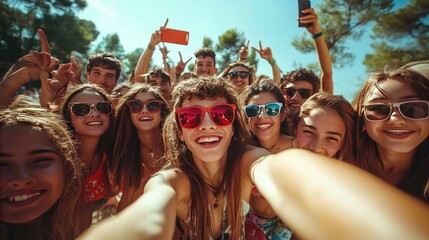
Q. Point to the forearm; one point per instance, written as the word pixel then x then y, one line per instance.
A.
pixel 152 216
pixel 144 61
pixel 10 85
pixel 337 200
pixel 276 73
pixel 325 64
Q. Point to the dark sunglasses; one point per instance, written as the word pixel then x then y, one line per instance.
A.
pixel 192 117
pixel 84 109
pixel 270 109
pixel 236 74
pixel 303 92
pixel 152 106
pixel 412 110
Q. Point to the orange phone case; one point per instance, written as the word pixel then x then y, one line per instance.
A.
pixel 174 36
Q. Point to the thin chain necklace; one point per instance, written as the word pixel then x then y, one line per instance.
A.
pixel 216 192
pixel 153 151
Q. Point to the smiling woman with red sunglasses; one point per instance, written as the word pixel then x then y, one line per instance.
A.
pixel 393 129
pixel 89 115
pixel 140 118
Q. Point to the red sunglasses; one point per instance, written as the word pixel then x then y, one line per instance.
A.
pixel 192 117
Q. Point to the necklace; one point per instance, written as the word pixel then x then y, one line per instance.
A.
pixel 216 193
pixel 153 151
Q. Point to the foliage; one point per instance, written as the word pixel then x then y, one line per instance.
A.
pixel 20 19
pixel 403 36
pixel 343 20
pixel 112 44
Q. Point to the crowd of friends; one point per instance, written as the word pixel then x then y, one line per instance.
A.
pixel 211 154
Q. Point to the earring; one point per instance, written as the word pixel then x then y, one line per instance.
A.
pixel 363 129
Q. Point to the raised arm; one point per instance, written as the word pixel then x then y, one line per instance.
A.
pixel 31 67
pixel 324 58
pixel 164 51
pixel 144 60
pixel 180 67
pixel 266 54
pixel 337 200
pixel 244 52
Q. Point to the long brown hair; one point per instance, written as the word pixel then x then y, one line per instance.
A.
pixel 70 215
pixel 178 156
pixel 126 165
pixel 104 146
pixel 368 156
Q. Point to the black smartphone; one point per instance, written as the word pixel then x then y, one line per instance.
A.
pixel 303 4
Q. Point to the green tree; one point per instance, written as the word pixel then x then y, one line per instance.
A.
pixel 343 20
pixel 131 59
pixel 403 36
pixel 20 19
pixel 112 44
pixel 228 46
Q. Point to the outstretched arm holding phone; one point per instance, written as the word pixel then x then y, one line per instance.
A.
pixel 144 60
pixel 325 62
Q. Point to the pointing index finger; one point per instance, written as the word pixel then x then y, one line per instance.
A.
pixel 43 41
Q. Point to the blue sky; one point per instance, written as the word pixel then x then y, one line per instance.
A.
pixel 273 22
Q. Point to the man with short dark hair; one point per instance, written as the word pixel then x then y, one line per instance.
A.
pixel 297 86
pixel 205 62
pixel 103 70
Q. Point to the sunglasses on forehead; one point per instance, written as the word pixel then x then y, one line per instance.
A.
pixel 137 106
pixel 270 109
pixel 84 109
pixel 241 74
pixel 412 110
pixel 303 92
pixel 192 117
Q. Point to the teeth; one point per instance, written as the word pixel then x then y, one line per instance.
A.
pixel 264 126
pixel 145 118
pixel 23 197
pixel 95 123
pixel 208 139
pixel 398 131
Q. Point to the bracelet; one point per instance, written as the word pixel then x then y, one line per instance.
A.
pixel 317 35
pixel 272 61
pixel 152 48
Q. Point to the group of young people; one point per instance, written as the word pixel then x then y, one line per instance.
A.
pixel 208 155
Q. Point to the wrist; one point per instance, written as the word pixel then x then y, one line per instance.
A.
pixel 272 61
pixel 317 35
pixel 151 47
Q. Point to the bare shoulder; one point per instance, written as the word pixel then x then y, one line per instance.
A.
pixel 174 178
pixel 179 182
pixel 251 155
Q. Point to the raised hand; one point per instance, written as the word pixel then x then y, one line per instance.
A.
pixel 244 51
pixel 265 53
pixel 311 18
pixel 181 65
pixel 164 51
